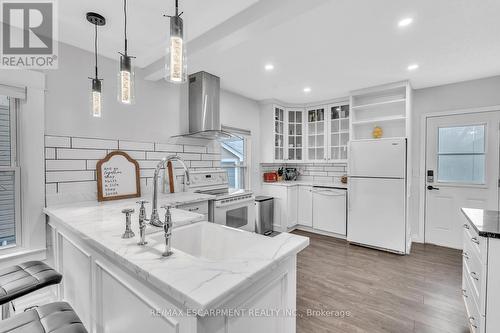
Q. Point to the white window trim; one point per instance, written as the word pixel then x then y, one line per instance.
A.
pixel 31 243
pixel 247 152
pixel 14 166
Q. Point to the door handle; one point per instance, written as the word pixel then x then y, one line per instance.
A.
pixel 430 187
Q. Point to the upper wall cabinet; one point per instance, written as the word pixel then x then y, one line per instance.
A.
pixel 282 135
pixel 328 133
pixel 314 134
pixel 295 138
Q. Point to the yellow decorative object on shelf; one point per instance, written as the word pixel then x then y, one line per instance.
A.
pixel 377 132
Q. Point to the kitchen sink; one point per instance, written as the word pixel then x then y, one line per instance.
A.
pixel 212 241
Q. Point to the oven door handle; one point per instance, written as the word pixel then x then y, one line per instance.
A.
pixel 235 202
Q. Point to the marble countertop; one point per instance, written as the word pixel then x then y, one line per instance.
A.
pixel 307 183
pixel 486 222
pixel 195 282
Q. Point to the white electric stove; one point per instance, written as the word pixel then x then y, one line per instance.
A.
pixel 231 207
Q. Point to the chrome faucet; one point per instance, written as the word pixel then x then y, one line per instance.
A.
pixel 142 223
pixel 155 218
pixel 167 228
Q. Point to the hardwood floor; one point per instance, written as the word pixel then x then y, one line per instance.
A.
pixel 374 291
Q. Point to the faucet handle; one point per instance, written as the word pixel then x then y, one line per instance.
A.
pixel 128 231
pixel 142 202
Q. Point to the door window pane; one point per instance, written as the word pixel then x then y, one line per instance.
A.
pixel 461 154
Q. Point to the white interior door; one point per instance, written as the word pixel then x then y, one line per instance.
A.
pixel 461 171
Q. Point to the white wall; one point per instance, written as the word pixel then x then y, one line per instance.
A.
pixel 241 112
pixel 462 95
pixel 155 117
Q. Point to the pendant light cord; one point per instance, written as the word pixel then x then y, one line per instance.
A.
pixel 125 14
pixel 95 51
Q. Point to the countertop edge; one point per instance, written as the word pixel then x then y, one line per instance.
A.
pixel 481 233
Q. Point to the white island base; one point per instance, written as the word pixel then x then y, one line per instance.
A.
pixel 117 286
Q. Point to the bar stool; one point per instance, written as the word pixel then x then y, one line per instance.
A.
pixel 56 317
pixel 22 279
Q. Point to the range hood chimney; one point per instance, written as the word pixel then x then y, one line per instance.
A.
pixel 204 108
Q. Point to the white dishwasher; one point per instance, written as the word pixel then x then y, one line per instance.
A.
pixel 330 210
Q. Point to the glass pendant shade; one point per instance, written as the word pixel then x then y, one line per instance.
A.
pixel 96 98
pixel 176 65
pixel 126 81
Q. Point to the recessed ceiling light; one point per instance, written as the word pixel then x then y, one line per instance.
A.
pixel 412 67
pixel 269 67
pixel 307 89
pixel 405 22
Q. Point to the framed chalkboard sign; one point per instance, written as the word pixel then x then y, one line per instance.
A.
pixel 118 177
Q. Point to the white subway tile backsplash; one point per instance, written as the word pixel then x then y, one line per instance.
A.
pixel 201 164
pixel 195 149
pixel 190 156
pixel 58 141
pixel 94 143
pixel 91 164
pixel 80 154
pixel 318 172
pixel 210 157
pixel 155 155
pixel 71 163
pixel 61 165
pixel 168 147
pixel 146 173
pixel 50 153
pixel 151 164
pixel 50 188
pixel 134 145
pixel 136 154
pixel 68 176
pixel 78 187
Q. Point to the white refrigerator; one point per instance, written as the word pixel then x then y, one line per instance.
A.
pixel 377 195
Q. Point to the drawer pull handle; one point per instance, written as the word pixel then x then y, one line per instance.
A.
pixel 474 276
pixel 466 226
pixel 472 321
pixel 193 209
pixel 475 240
pixel 465 255
pixel 464 293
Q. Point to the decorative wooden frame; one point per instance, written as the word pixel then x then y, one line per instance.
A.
pixel 100 196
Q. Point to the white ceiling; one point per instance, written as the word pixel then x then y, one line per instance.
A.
pixel 333 47
pixel 147 28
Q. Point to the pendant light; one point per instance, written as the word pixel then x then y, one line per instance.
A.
pixel 96 94
pixel 176 58
pixel 126 75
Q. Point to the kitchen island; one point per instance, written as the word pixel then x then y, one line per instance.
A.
pixel 218 279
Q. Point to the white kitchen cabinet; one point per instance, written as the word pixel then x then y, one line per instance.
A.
pixel 328 133
pixel 329 210
pixel 285 205
pixel 295 139
pixel 282 138
pixel 305 210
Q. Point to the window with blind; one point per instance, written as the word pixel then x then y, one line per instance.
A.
pixel 9 173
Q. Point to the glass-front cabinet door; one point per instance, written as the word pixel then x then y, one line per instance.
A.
pixel 338 138
pixel 316 138
pixel 279 134
pixel 295 137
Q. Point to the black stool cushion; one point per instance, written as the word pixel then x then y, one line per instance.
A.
pixel 19 280
pixel 56 317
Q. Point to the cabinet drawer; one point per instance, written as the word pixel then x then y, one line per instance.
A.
pixel 475 318
pixel 198 207
pixel 475 275
pixel 477 244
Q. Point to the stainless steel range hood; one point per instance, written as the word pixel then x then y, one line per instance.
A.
pixel 204 109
